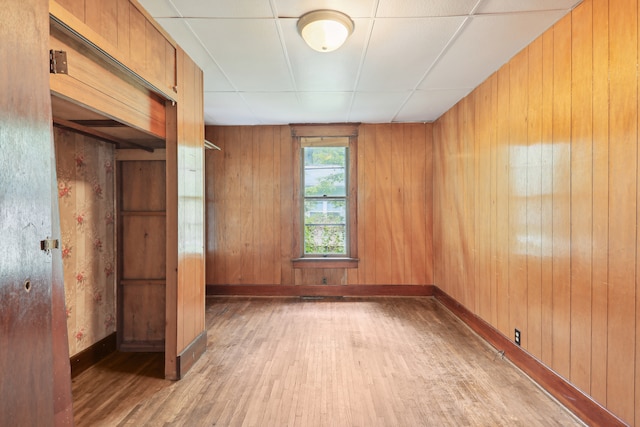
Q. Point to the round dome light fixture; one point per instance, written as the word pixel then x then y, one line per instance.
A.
pixel 325 30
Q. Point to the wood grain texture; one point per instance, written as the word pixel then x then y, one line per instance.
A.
pixel 352 361
pixel 95 83
pixel 127 33
pixel 581 195
pixel 623 146
pixel 600 209
pixel 142 267
pixel 575 400
pixel 185 290
pixel 518 174
pixel 320 290
pixel 34 359
pixel 546 242
pixel 250 202
pixel 561 197
pixel 563 194
pixel 534 199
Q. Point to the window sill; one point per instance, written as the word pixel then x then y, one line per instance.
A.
pixel 328 262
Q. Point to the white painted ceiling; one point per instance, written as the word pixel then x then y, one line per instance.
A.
pixel 406 61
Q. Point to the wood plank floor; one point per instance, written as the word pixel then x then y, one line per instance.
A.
pixel 332 362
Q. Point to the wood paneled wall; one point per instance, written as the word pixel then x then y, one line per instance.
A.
pixel 249 191
pixel 124 30
pixel 535 204
pixel 186 335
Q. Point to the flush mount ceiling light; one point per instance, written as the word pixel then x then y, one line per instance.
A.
pixel 325 30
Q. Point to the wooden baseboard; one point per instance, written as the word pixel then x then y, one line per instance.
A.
pixel 190 355
pixel 90 356
pixel 321 290
pixel 583 406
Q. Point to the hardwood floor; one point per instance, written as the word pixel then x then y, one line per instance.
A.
pixel 330 362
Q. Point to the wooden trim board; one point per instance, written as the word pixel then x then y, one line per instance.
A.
pixel 190 355
pixel 88 357
pixel 321 290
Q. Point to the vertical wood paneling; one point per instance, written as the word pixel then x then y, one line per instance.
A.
pixel 266 195
pixel 581 195
pixel 534 200
pixel 467 170
pixel 566 118
pixel 419 225
pixel 636 386
pixel 546 294
pixel 76 7
pixel 493 257
pixel 397 198
pixel 502 203
pixel 518 232
pixel 562 197
pixel 123 30
pixel 137 33
pixel 273 258
pixel 250 197
pixel 185 221
pixel 424 172
pixel 246 205
pixel 102 16
pixel 286 206
pixel 368 248
pixel 124 34
pixel 382 206
pixel 483 208
pixel 600 208
pixel 623 124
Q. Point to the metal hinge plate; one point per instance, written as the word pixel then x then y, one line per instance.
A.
pixel 48 244
pixel 58 62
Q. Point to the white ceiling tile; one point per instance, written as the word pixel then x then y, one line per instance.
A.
pixel 159 8
pixel 257 70
pixel 275 107
pixel 227 108
pixel 224 8
pixel 485 44
pixel 506 6
pixel 425 8
pixel 352 8
pixel 248 51
pixel 181 31
pixel 428 105
pixel 325 107
pixel 402 49
pixel 188 41
pixel 376 107
pixel 215 80
pixel 324 72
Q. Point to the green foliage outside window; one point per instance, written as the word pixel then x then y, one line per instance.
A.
pixel 325 204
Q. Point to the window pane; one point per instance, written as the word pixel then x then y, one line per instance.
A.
pixel 325 227
pixel 325 239
pixel 324 171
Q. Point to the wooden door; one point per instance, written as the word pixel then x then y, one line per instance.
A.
pixel 36 386
pixel 141 255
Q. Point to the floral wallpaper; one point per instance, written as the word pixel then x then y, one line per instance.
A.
pixel 86 168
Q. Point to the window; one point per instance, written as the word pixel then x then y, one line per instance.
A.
pixel 325 199
pixel 324 192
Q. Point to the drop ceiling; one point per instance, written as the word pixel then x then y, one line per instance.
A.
pixel 406 61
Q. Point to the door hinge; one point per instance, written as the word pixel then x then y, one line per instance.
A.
pixel 48 244
pixel 58 62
